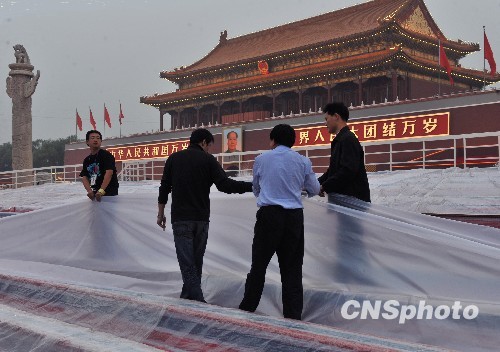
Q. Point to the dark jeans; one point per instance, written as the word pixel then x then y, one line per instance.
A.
pixel 279 231
pixel 190 242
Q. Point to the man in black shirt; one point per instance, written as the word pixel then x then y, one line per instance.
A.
pixel 346 173
pixel 188 175
pixel 99 170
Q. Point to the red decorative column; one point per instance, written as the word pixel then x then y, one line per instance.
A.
pixel 217 118
pixel 198 108
pixel 299 90
pixel 360 90
pixel 394 77
pixel 161 119
pixel 274 112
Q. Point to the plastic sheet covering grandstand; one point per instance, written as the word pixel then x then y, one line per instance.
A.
pixel 91 276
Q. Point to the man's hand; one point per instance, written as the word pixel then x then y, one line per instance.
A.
pixel 321 191
pixel 91 195
pixel 99 194
pixel 161 221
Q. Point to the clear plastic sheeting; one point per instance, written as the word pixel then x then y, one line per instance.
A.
pixel 41 316
pixel 88 264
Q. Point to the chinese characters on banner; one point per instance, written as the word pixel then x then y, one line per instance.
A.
pixel 367 131
pixel 380 130
pixel 147 151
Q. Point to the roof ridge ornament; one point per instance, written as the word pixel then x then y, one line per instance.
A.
pixel 418 23
pixel 223 37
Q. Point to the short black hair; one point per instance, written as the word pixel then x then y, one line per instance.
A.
pixel 283 134
pixel 201 134
pixel 90 132
pixel 236 133
pixel 337 108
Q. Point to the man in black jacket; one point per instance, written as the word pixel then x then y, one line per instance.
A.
pixel 346 173
pixel 189 174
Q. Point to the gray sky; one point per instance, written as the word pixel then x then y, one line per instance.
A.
pixel 92 52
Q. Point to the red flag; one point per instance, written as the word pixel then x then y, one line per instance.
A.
pixel 106 116
pixel 79 121
pixel 443 61
pixel 488 55
pixel 92 121
pixel 120 117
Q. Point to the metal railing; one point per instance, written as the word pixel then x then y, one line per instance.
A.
pixel 39 176
pixel 470 150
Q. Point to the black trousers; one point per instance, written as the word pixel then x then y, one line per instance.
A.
pixel 281 231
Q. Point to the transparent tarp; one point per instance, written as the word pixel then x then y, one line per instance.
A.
pixel 108 268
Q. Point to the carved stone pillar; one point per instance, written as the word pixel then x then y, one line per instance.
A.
pixel 20 87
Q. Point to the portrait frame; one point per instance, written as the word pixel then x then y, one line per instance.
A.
pixel 232 163
pixel 225 139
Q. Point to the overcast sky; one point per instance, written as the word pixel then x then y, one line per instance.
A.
pixel 92 53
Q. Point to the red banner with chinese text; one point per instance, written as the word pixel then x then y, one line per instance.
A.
pixel 409 127
pixel 147 151
pixel 379 130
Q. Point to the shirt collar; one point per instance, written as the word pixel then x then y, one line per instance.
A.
pixel 342 131
pixel 195 146
pixel 281 147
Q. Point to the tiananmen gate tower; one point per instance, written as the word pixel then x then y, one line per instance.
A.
pixel 378 51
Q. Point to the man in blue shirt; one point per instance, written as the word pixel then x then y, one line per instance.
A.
pixel 279 176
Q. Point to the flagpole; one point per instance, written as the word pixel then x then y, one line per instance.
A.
pixel 439 67
pixel 484 60
pixel 76 126
pixel 104 122
pixel 120 118
pixel 90 112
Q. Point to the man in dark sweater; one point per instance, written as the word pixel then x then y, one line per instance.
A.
pixel 346 173
pixel 188 175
